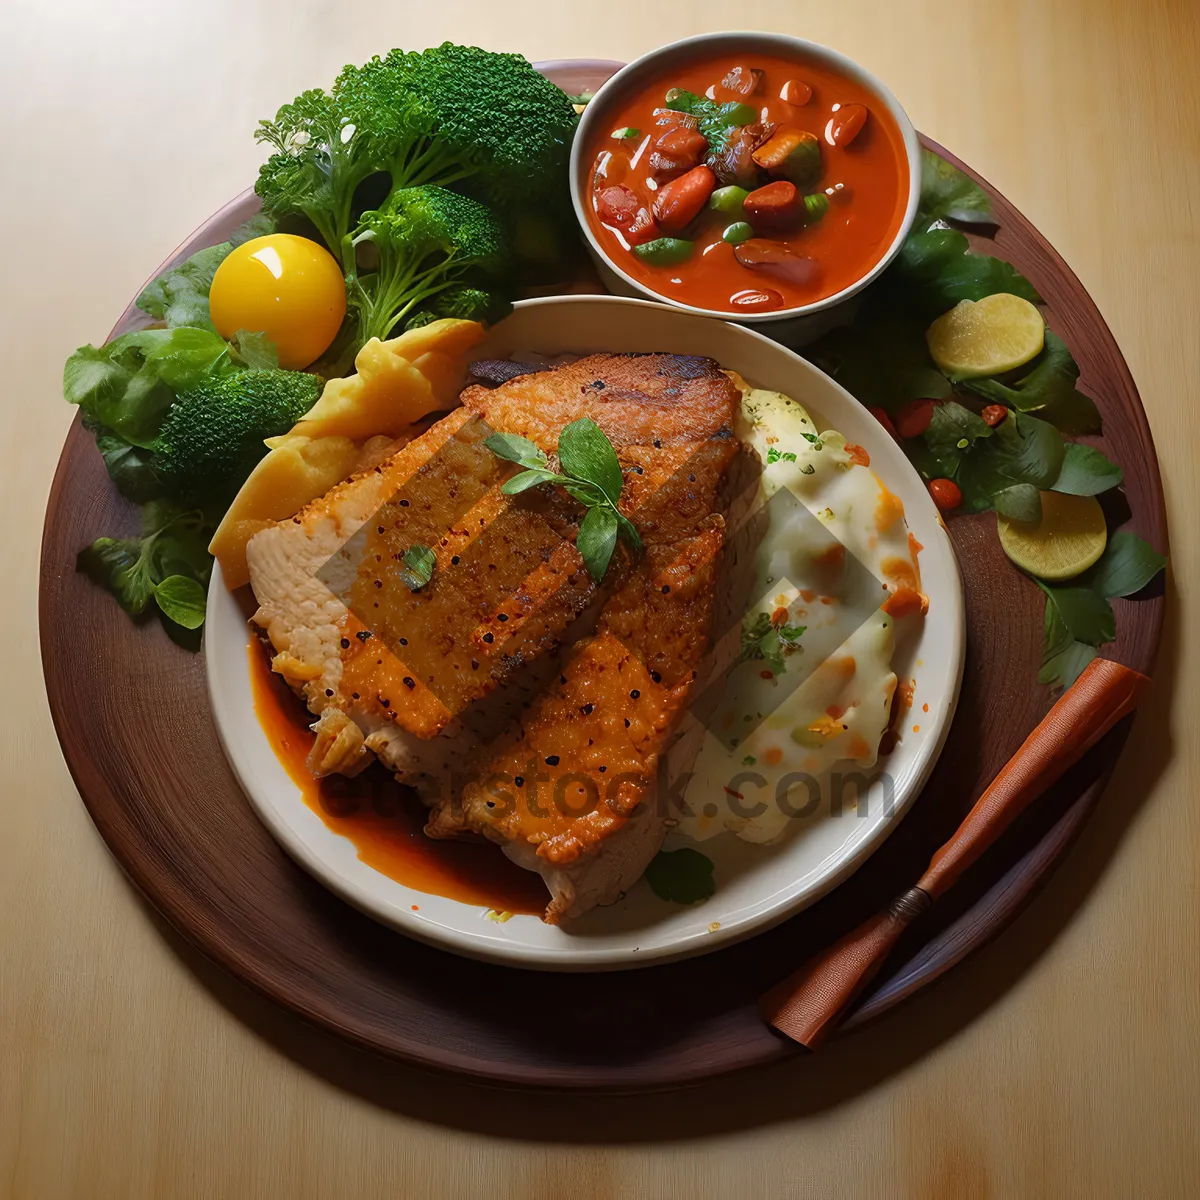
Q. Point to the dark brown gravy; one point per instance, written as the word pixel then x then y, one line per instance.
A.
pixel 382 819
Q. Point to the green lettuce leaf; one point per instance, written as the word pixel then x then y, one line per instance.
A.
pixel 129 384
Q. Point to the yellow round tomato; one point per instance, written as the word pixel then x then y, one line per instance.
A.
pixel 286 287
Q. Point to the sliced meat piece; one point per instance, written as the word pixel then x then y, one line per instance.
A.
pixel 415 669
pixel 570 789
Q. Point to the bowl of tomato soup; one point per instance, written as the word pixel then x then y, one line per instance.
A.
pixel 750 176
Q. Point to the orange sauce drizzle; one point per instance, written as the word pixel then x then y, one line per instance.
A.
pixel 383 820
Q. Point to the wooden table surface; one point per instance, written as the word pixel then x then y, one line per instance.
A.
pixel 1064 1060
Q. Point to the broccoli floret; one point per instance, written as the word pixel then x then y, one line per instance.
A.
pixel 453 115
pixel 438 251
pixel 487 121
pixel 213 434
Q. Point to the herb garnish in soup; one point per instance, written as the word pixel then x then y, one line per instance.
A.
pixel 748 183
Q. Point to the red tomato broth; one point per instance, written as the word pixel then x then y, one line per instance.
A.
pixel 862 219
pixel 383 820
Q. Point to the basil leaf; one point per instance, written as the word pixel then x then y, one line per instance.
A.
pixel 1085 472
pixel 597 539
pixel 1021 502
pixel 181 600
pixel 586 453
pixel 1048 389
pixel 935 270
pixel 950 426
pixel 527 479
pixel 629 534
pixel 419 562
pixel 948 194
pixel 681 876
pixel 1022 449
pixel 1086 615
pixel 1063 668
pixel 1126 566
pixel 581 490
pixel 513 448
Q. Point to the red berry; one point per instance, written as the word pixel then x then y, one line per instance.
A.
pixel 913 419
pixel 994 414
pixel 945 494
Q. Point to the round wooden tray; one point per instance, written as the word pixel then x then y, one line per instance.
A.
pixel 132 713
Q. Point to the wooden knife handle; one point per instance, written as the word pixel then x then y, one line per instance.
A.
pixel 1103 694
pixel 807 1005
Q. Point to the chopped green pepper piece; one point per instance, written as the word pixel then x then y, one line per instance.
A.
pixel 665 251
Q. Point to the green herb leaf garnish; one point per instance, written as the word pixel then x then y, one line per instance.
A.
pixel 171 552
pixel 681 876
pixel 181 600
pixel 1079 618
pixel 949 195
pixel 591 474
pixel 1126 566
pixel 762 639
pixel 1085 471
pixel 715 121
pixel 1047 389
pixel 419 562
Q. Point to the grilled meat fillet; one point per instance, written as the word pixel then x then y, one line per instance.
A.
pixel 452 676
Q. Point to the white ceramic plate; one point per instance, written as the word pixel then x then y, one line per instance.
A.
pixel 757 886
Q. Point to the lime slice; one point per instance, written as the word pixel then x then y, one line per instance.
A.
pixel 1068 539
pixel 986 337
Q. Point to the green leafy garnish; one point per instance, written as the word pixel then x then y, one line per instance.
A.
pixel 1021 449
pixel 181 599
pixel 935 270
pixel 1047 389
pixel 681 876
pixel 1127 565
pixel 1079 618
pixel 255 351
pixel 715 121
pixel 419 562
pixel 949 195
pixel 179 296
pixel 514 448
pixel 130 467
pixel 173 545
pixel 129 384
pixel 591 474
pixel 1020 502
pixel 762 639
pixel 939 451
pixel 1085 471
pixel 774 455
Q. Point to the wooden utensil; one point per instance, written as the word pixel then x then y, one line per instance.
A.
pixel 809 1004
